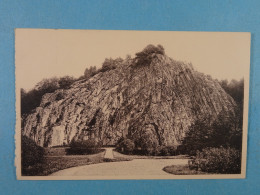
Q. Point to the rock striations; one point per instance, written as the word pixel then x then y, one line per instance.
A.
pixel 159 98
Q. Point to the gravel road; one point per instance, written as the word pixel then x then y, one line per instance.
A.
pixel 142 167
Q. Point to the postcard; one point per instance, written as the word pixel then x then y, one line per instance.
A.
pixel 114 104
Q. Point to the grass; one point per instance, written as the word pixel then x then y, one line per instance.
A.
pixel 52 164
pixel 182 170
pixel 55 151
pixel 131 157
pixel 55 159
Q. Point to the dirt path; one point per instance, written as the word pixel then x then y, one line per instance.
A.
pixel 109 153
pixel 136 167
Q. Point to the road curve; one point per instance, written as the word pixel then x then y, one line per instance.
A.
pixel 136 167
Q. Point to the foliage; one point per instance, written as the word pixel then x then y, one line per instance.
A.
pixel 145 56
pixel 125 145
pixel 48 85
pixel 57 162
pixel 110 64
pixel 31 153
pixel 151 49
pixel 83 147
pixel 90 72
pixel 224 131
pixel 219 160
pixel 168 151
pixel 32 99
pixel 227 131
pixel 197 137
pixel 182 170
pixel 235 89
pixel 65 82
pixel 146 144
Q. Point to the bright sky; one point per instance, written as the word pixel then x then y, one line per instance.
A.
pixel 44 53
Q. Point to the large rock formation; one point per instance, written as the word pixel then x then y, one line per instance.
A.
pixel 157 97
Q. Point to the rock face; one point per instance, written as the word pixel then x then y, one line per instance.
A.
pixel 159 98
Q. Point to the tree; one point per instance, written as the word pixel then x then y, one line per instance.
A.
pixel 31 153
pixel 226 131
pixel 65 82
pixel 219 160
pixel 145 56
pixel 32 99
pixel 125 145
pixel 235 89
pixel 110 64
pixel 128 57
pixel 197 137
pixel 48 85
pixel 83 147
pixel 90 72
pixel 23 93
pixel 150 49
pixel 147 143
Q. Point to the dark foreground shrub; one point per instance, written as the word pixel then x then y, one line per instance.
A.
pixel 83 147
pixel 31 153
pixel 218 160
pixel 126 146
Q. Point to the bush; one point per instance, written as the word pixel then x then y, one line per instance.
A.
pixel 218 160
pixel 31 153
pixel 110 64
pixel 168 151
pixel 145 57
pixel 224 131
pixel 125 146
pixel 90 72
pixel 32 99
pixel 65 82
pixel 150 49
pixel 83 147
pixel 147 145
pixel 197 137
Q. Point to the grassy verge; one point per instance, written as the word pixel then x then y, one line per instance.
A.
pixel 131 157
pixel 52 164
pixel 55 159
pixel 182 170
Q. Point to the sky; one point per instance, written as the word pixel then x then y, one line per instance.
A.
pixel 45 53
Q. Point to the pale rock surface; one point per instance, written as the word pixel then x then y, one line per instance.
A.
pixel 160 99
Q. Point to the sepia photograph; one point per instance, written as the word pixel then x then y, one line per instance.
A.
pixel 115 104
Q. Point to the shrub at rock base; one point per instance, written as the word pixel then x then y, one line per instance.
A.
pixel 218 160
pixel 31 154
pixel 168 151
pixel 83 147
pixel 126 146
pixel 148 147
pixel 144 147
